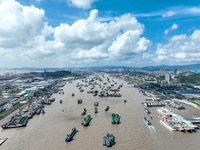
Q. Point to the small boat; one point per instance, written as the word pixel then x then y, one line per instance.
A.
pixel 95 110
pixel 107 108
pixel 86 121
pixel 2 141
pixel 79 101
pixel 72 94
pixel 113 119
pixel 84 111
pixel 125 101
pixel 42 110
pixel 71 135
pixel 96 103
pixel 60 101
pixel 108 140
pixel 38 111
pixel 147 111
pixel 147 121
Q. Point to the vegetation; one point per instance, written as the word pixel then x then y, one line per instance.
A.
pixel 160 78
pixel 197 102
pixel 192 79
pixel 59 74
pixel 9 111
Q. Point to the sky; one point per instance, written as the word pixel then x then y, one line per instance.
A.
pixel 87 33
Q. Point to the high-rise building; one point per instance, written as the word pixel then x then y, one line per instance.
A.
pixel 175 71
pixel 167 78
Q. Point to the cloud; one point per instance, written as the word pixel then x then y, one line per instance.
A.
pixel 92 39
pixel 173 27
pixel 85 4
pixel 180 49
pixel 168 14
pixel 182 11
pixel 25 38
pixel 129 44
pixel 171 12
pixel 22 29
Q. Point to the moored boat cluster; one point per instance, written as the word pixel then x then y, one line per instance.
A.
pixel 174 121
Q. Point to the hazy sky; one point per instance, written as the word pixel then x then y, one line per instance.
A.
pixel 77 33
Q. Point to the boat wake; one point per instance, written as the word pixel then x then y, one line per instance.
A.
pixel 152 131
pixel 152 128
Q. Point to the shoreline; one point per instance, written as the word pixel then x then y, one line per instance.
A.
pixel 187 102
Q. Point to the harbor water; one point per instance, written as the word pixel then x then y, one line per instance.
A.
pixel 48 131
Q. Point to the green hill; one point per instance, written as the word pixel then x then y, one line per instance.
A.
pixel 192 79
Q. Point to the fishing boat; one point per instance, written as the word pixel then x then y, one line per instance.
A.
pixel 147 121
pixel 84 111
pixel 72 94
pixel 113 119
pixel 71 135
pixel 143 103
pixel 96 103
pixel 107 108
pixel 147 111
pixel 117 119
pixel 86 121
pixel 95 110
pixel 42 110
pixel 79 101
pixel 108 140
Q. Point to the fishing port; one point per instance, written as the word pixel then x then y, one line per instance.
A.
pixel 64 102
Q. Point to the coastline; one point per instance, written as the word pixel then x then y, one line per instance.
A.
pixel 187 102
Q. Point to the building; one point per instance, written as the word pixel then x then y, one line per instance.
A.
pixel 167 78
pixel 175 71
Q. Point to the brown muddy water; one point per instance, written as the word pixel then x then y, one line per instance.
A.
pixel 48 131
